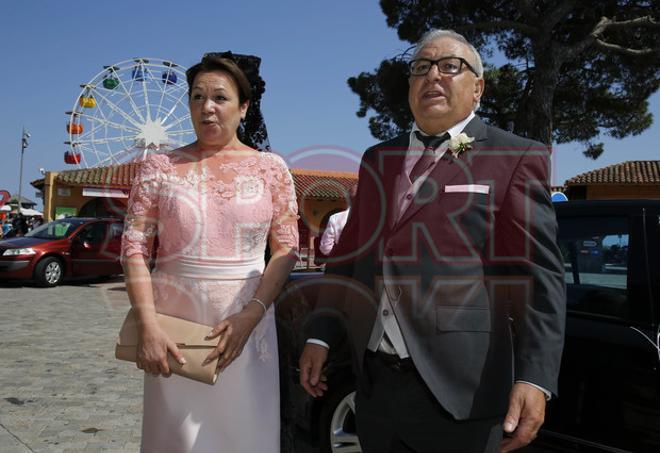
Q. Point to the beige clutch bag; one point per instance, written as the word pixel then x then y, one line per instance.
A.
pixel 188 336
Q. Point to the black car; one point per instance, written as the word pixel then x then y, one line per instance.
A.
pixel 609 385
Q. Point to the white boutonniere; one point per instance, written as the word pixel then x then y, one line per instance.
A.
pixel 459 144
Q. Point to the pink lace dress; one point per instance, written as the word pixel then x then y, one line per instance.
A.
pixel 213 218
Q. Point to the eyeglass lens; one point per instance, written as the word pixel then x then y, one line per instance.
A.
pixel 448 65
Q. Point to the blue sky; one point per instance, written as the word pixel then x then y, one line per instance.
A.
pixel 308 48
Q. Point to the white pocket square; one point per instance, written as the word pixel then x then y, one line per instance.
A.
pixel 474 188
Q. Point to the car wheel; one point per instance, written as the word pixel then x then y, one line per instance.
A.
pixel 337 423
pixel 49 272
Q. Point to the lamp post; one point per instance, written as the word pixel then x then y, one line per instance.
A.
pixel 24 144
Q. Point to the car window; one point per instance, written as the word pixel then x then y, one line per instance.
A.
pixel 94 233
pixel 596 258
pixel 116 230
pixel 55 230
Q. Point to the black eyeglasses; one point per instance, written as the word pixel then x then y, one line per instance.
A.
pixel 446 65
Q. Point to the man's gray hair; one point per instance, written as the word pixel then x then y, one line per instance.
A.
pixel 432 35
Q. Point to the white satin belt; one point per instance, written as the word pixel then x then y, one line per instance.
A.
pixel 213 269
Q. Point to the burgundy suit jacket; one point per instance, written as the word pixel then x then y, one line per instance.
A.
pixel 472 269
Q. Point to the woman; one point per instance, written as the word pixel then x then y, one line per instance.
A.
pixel 215 204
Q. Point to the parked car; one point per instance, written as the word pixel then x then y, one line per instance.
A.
pixel 609 384
pixel 70 247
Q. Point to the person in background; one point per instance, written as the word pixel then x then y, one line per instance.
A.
pixel 19 225
pixel 335 226
pixel 6 227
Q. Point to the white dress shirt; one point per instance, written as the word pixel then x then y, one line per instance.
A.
pixel 333 231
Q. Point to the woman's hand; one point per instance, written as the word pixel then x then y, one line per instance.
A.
pixel 234 331
pixel 152 350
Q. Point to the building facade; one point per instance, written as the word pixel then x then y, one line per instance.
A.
pixel 104 192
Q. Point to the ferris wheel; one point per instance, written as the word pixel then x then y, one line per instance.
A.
pixel 127 110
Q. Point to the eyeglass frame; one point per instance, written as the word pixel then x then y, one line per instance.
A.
pixel 435 63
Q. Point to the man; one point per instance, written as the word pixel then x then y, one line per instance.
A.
pixel 450 276
pixel 335 226
pixel 19 225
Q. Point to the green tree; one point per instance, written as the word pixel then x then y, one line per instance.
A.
pixel 577 69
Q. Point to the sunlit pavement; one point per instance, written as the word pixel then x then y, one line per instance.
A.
pixel 62 389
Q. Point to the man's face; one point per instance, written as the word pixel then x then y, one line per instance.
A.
pixel 439 101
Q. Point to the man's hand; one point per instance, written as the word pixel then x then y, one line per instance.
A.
pixel 525 416
pixel 311 364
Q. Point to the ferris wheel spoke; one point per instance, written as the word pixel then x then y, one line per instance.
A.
pixel 134 130
pixel 130 94
pixel 103 141
pixel 123 155
pixel 107 122
pixel 122 127
pixel 177 143
pixel 174 106
pixel 134 106
pixel 103 158
pixel 181 132
pixel 145 91
pixel 89 135
pixel 168 89
pixel 109 160
pixel 86 151
pixel 163 90
pixel 112 106
pixel 176 122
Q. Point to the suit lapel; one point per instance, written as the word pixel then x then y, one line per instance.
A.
pixel 390 166
pixel 446 169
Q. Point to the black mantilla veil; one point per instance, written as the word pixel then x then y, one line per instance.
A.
pixel 252 130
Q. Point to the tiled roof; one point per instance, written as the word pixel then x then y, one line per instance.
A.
pixel 326 185
pixel 312 184
pixel 630 172
pixel 115 176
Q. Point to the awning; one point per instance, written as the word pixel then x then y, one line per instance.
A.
pixel 31 212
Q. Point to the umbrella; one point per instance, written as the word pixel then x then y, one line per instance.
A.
pixel 30 212
pixel 5 208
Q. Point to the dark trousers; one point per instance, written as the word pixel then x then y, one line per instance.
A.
pixel 401 415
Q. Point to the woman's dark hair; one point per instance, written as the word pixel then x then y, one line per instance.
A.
pixel 217 62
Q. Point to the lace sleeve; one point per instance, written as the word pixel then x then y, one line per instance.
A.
pixel 141 223
pixel 284 225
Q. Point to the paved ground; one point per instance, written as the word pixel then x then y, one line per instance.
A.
pixel 61 388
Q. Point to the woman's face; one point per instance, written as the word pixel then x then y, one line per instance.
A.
pixel 215 108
